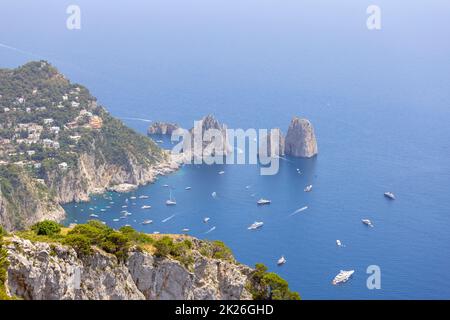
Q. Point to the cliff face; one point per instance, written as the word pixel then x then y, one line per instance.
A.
pixel 274 141
pixel 53 271
pixel 29 200
pixel 216 144
pixel 300 139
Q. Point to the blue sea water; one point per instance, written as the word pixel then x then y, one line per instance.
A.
pixel 379 101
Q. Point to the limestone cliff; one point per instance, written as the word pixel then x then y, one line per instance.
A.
pixel 274 144
pixel 53 271
pixel 300 139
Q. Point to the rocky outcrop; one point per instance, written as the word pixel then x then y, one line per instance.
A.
pixel 213 137
pixel 272 144
pixel 162 128
pixel 53 271
pixel 300 139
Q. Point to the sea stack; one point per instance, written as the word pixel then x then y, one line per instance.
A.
pixel 300 139
pixel 218 145
pixel 162 128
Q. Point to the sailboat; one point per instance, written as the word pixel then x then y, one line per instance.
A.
pixel 171 202
pixel 281 261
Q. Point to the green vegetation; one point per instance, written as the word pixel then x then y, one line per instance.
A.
pixel 179 250
pixel 46 228
pixel 269 286
pixel 3 267
pixel 216 250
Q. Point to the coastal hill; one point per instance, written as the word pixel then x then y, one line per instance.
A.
pixel 93 261
pixel 58 145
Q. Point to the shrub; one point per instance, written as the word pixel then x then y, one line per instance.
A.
pixel 163 246
pixel 221 251
pixel 80 243
pixel 46 228
pixel 3 269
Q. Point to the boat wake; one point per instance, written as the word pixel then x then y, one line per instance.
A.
pixel 210 230
pixel 298 211
pixel 168 218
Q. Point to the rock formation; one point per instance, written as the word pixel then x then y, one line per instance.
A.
pixel 300 139
pixel 54 272
pixel 162 128
pixel 211 145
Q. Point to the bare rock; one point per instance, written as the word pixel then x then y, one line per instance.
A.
pixel 300 139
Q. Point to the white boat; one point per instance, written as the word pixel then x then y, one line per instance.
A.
pixel 145 222
pixel 214 194
pixel 143 197
pixel 367 222
pixel 171 202
pixel 93 216
pixel 343 276
pixel 339 243
pixel 133 198
pixel 116 220
pixel 146 207
pixel 247 187
pixel 281 261
pixel 221 172
pixel 159 141
pixel 156 232
pixel 389 195
pixel 205 220
pixel 263 201
pixel 256 225
pixel 124 206
pixel 187 188
pixel 185 230
pixel 308 188
pixel 165 185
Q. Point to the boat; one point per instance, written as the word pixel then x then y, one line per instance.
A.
pixel 343 276
pixel 165 185
pixel 156 232
pixel 93 216
pixel 214 194
pixel 102 210
pixel 187 188
pixel 367 222
pixel 256 225
pixel 339 243
pixel 205 220
pixel 247 187
pixel 263 201
pixel 389 195
pixel 145 222
pixel 185 230
pixel 308 188
pixel 146 207
pixel 143 197
pixel 171 202
pixel 281 261
pixel 116 220
pixel 133 198
pixel 221 172
pixel 124 206
pixel 159 141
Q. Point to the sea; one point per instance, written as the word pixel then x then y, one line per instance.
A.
pixel 379 101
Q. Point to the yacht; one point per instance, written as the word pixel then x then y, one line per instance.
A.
pixel 367 222
pixel 339 243
pixel 185 230
pixel 171 202
pixel 102 210
pixel 256 225
pixel 308 188
pixel 343 276
pixel 143 197
pixel 145 222
pixel 156 232
pixel 263 201
pixel 214 194
pixel 165 185
pixel 159 141
pixel 389 195
pixel 146 207
pixel 206 220
pixel 93 216
pixel 221 172
pixel 187 188
pixel 133 198
pixel 115 220
pixel 281 261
